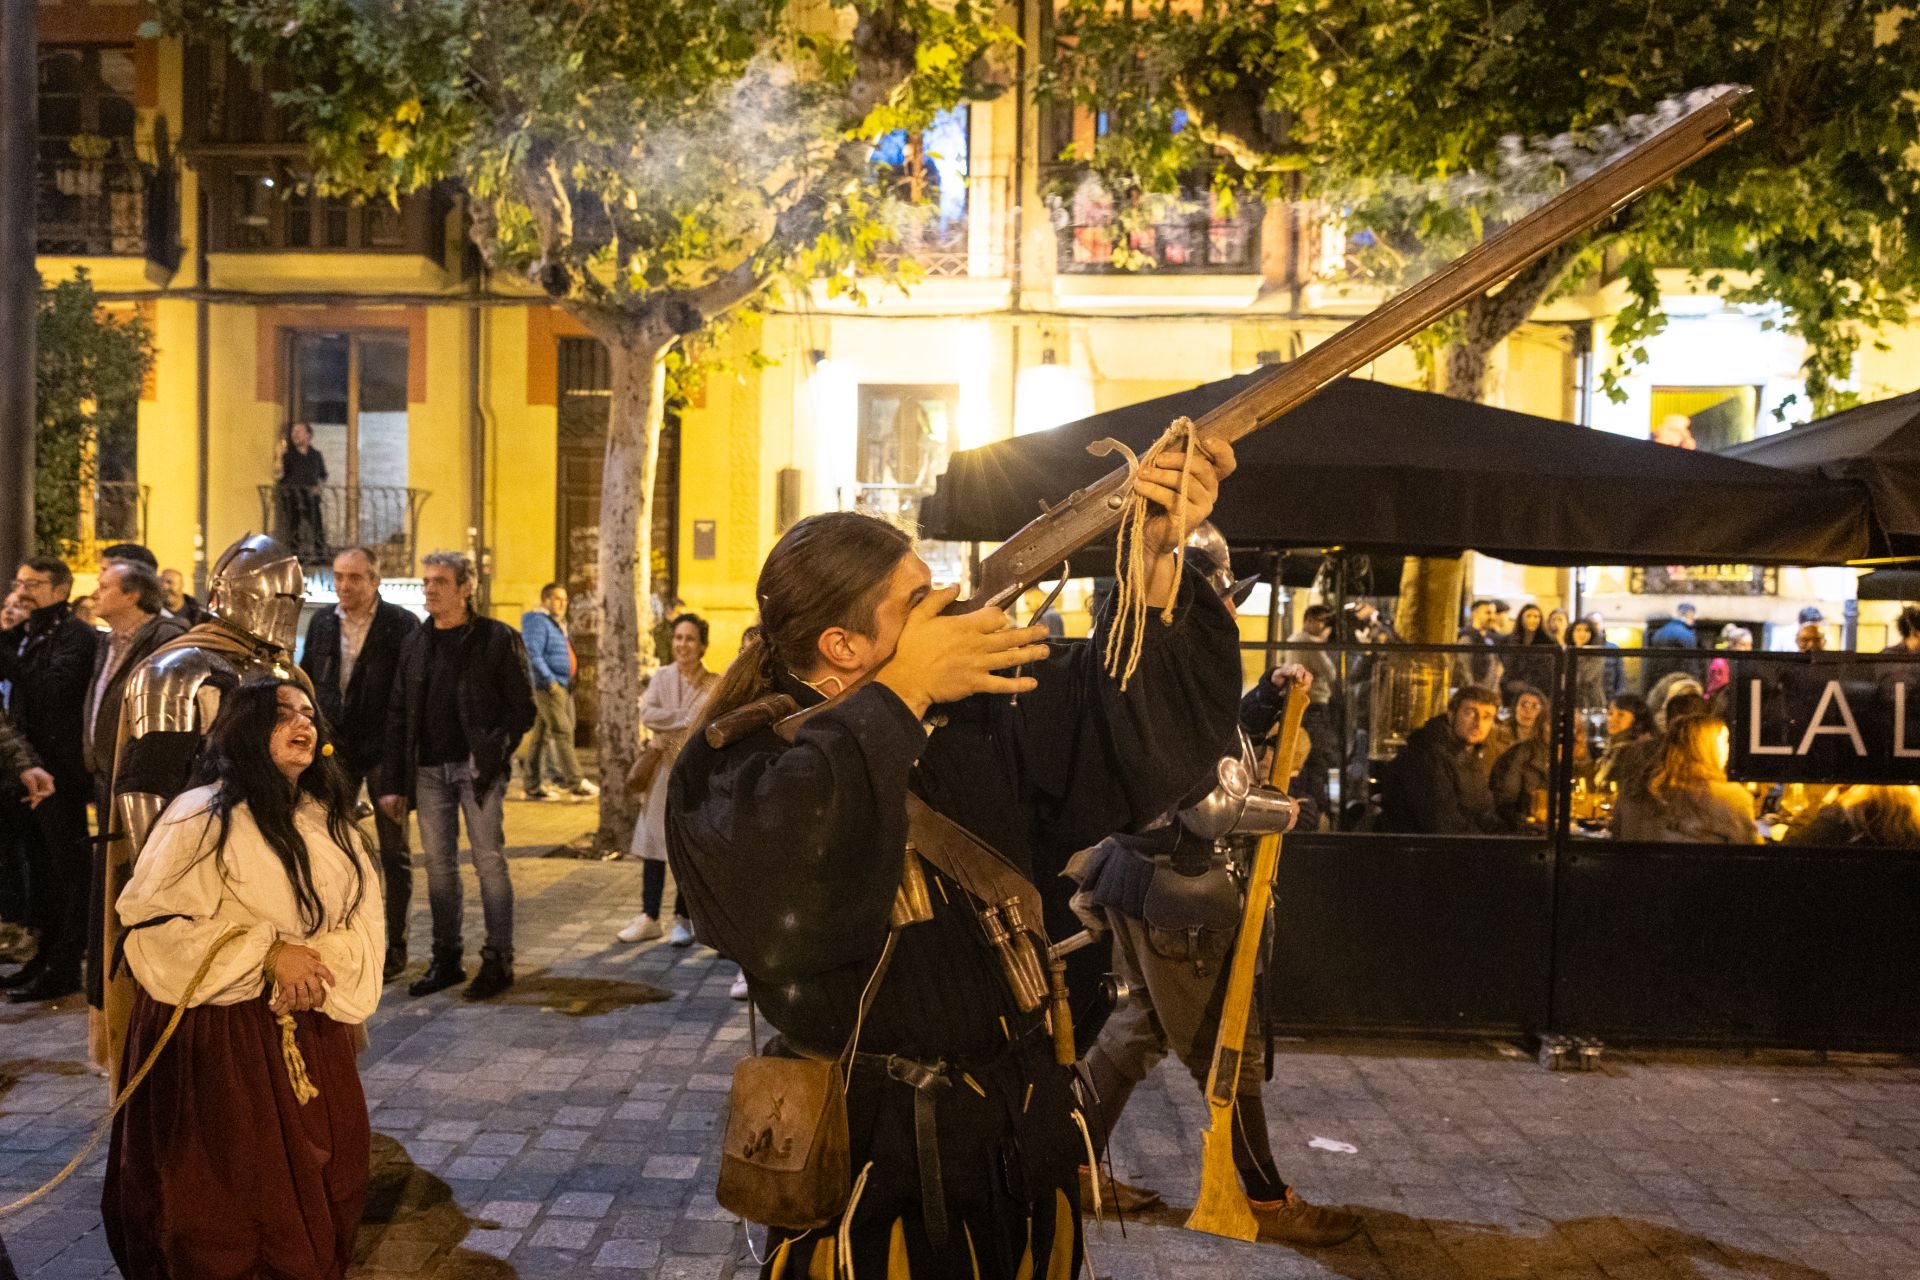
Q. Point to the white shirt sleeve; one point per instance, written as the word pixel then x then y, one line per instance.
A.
pixel 176 909
pixel 356 953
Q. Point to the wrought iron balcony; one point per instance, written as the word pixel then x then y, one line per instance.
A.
pixel 96 207
pixel 1192 233
pixel 319 522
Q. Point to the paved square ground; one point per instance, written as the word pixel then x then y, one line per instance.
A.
pixel 568 1130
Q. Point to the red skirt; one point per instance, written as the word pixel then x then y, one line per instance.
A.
pixel 215 1172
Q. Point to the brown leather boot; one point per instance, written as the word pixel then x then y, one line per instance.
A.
pixel 1115 1193
pixel 1301 1225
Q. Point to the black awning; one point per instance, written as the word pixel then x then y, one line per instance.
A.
pixel 1370 467
pixel 1876 445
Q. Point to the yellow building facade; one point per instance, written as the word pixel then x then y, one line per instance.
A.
pixel 467 422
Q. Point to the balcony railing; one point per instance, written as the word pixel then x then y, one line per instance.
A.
pixel 1193 233
pixel 319 522
pixel 94 207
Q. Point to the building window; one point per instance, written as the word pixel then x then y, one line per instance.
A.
pixel 926 171
pixel 92 189
pixel 350 389
pixel 267 204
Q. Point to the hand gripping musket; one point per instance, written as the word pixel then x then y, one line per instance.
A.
pixel 1222 1205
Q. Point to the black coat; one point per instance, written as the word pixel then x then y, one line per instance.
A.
pixel 357 714
pixel 495 699
pixel 1438 785
pixel 106 715
pixel 49 659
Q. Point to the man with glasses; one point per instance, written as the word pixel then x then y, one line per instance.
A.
pixel 48 661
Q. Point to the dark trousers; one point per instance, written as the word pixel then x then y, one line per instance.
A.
pixel 59 863
pixel 653 888
pixel 396 861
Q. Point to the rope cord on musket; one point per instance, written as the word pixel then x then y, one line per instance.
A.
pixel 1127 633
pixel 303 1087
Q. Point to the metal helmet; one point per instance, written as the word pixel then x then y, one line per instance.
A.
pixel 257 586
pixel 1205 540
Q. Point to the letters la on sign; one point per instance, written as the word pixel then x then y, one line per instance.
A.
pixel 1849 720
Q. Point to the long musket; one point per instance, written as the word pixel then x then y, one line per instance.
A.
pixel 1090 513
pixel 1222 1204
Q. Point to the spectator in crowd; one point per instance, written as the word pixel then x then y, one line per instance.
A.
pixel 298 474
pixel 221 1164
pixel 1676 430
pixel 1670 686
pixel 1688 798
pixel 130 602
pixel 461 702
pixel 1628 722
pixel 1439 784
pixel 1557 626
pixel 47 659
pixel 1503 620
pixel 1633 765
pixel 19 765
pixel 1522 762
pixel 1812 614
pixel 552 665
pixel 1675 639
pixel 1616 666
pixel 1527 656
pixel 667 605
pixel 1307 646
pixel 23 784
pixel 1589 673
pixel 1907 625
pixel 671 708
pixel 1883 817
pixel 1477 668
pixel 351 655
pixel 83 610
pixel 1810 638
pixel 179 603
pixel 1735 639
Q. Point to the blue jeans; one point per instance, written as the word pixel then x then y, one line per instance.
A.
pixel 442 793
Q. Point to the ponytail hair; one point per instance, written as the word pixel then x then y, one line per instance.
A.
pixel 828 570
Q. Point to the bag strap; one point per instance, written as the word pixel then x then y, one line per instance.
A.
pixel 867 995
pixel 963 857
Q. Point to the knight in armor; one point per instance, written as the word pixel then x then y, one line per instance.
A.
pixel 787 842
pixel 255 594
pixel 1171 900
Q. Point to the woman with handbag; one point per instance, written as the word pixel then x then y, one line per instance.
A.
pixel 672 704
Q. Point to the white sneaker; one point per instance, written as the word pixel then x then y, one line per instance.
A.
pixel 584 789
pixel 642 928
pixel 739 988
pixel 682 934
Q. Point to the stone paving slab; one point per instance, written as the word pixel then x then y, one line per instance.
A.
pixel 568 1131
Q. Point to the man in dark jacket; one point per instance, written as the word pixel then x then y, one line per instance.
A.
pixel 1438 785
pixel 351 655
pixel 48 659
pixel 1670 634
pixel 460 704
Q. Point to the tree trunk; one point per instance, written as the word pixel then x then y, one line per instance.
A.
pixel 626 603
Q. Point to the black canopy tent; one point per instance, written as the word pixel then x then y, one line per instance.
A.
pixel 1876 445
pixel 1369 467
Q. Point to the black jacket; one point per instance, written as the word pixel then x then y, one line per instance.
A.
pixel 357 714
pixel 1438 785
pixel 49 659
pixel 1671 634
pixel 106 715
pixel 496 705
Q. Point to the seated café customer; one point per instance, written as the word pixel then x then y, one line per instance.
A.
pixel 1525 765
pixel 1634 764
pixel 225 1162
pixel 1628 722
pixel 1688 798
pixel 1879 817
pixel 1438 785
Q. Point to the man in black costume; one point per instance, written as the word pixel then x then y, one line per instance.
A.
pixel 790 855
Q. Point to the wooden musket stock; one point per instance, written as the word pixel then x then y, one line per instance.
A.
pixel 1026 558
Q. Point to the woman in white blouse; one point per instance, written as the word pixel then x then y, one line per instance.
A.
pixel 223 1163
pixel 669 710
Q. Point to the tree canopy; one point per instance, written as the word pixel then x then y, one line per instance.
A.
pixel 1380 107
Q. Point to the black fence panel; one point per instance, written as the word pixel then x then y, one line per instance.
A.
pixel 1409 934
pixel 1775 945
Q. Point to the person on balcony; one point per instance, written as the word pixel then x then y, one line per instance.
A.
pixel 298 474
pixel 553 667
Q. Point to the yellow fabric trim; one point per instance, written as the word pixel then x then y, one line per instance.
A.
pixel 972 1257
pixel 821 1267
pixel 778 1270
pixel 1060 1265
pixel 898 1268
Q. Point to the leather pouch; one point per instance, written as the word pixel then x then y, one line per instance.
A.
pixel 785 1160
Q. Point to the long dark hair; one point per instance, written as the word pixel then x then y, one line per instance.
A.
pixel 828 570
pixel 238 761
pixel 1536 636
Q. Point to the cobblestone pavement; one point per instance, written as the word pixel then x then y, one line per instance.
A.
pixel 568 1130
